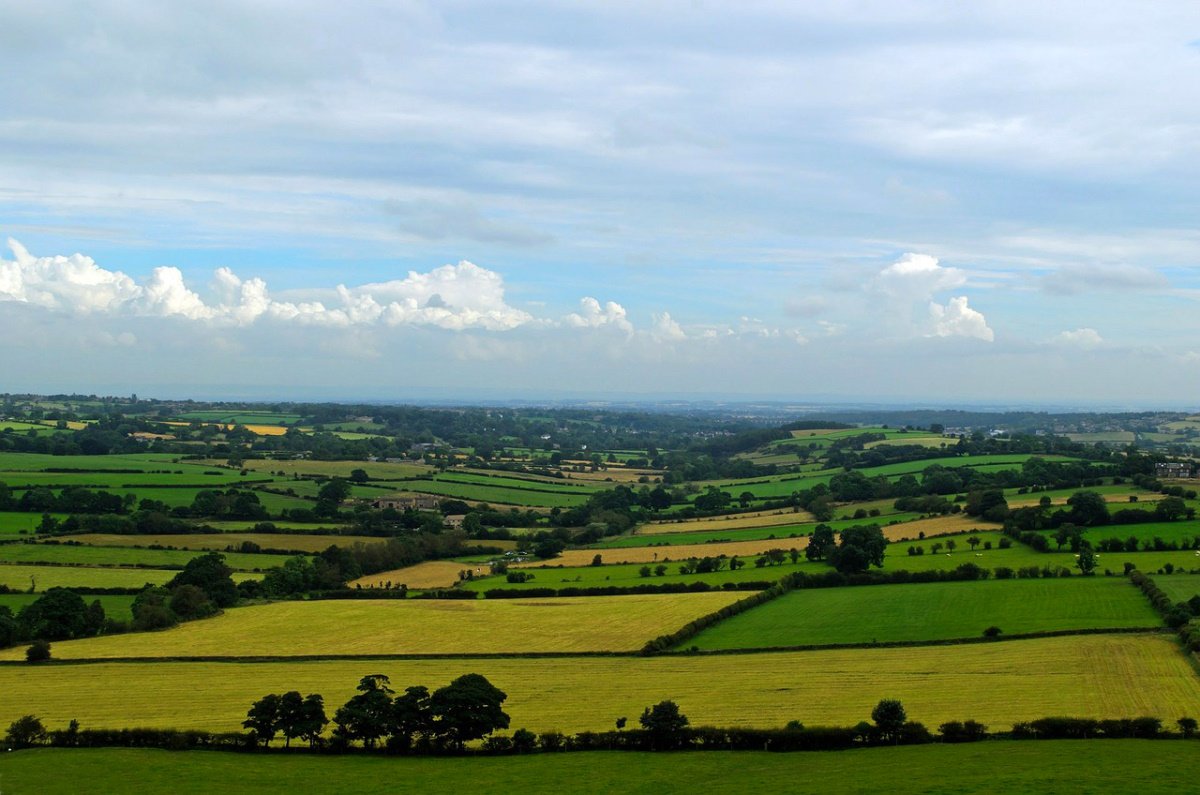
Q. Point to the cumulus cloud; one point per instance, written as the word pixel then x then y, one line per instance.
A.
pixel 1072 279
pixel 1080 338
pixel 454 297
pixel 918 276
pixel 592 315
pixel 667 329
pixel 957 319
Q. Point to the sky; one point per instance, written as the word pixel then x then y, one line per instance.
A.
pixel 936 202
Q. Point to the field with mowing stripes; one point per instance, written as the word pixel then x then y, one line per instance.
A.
pixel 976 767
pixel 1108 676
pixel 414 626
pixel 1180 587
pixel 430 574
pixel 932 611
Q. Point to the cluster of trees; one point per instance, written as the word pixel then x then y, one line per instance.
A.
pixel 203 588
pixel 58 614
pixel 859 548
pixel 1177 615
pixel 467 709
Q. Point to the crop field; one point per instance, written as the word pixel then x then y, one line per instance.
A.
pixel 933 611
pixel 118 607
pixel 64 554
pixel 937 526
pixel 430 574
pixel 1101 676
pixel 974 767
pixel 410 626
pixel 782 532
pixel 913 439
pixel 511 482
pixel 627 575
pixel 583 557
pixel 298 542
pixel 41 578
pixel 735 521
pixel 1180 587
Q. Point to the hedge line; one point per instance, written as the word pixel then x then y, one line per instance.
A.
pixel 1177 616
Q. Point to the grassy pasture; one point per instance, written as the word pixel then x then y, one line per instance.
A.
pixel 128 481
pixel 519 497
pixel 979 767
pixel 19 577
pixel 1168 531
pixel 933 611
pixel 781 532
pixel 245 525
pixel 118 607
pixel 535 484
pixel 1180 587
pixel 13 523
pixel 430 574
pixel 627 575
pixel 1101 676
pixel 379 470
pixel 736 521
pixel 413 626
pixel 37 462
pixel 219 541
pixel 63 554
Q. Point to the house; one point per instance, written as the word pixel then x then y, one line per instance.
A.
pixel 454 520
pixel 419 502
pixel 1173 469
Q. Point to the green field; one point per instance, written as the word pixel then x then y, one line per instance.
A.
pixel 117 607
pixel 412 626
pixel 1182 532
pixel 997 684
pixel 242 417
pixel 782 532
pixel 36 462
pixel 628 575
pixel 41 578
pixel 13 523
pixel 1179 587
pixel 199 477
pixel 1030 767
pixel 932 611
pixel 64 554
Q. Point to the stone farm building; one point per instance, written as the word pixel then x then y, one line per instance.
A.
pixel 416 503
pixel 1173 469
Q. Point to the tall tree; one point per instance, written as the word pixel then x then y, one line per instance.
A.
pixel 467 709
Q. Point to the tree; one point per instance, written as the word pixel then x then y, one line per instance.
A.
pixel 59 614
pixel 664 724
pixel 210 574
pixel 314 720
pixel 38 651
pixel 889 717
pixel 411 716
pixel 188 601
pixel 821 543
pixel 468 708
pixel 25 731
pixel 861 546
pixel 951 545
pixel 1187 726
pixel 368 715
pixel 263 717
pixel 359 476
pixel 973 541
pixel 290 718
pixel 1088 509
pixel 1086 562
pixel 150 610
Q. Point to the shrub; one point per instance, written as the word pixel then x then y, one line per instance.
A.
pixel 38 651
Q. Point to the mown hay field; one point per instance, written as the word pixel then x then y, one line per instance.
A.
pixel 732 522
pixel 21 577
pixel 379 470
pixel 1101 676
pixel 933 611
pixel 937 526
pixel 430 574
pixel 413 626
pixel 975 767
pixel 219 541
pixel 678 552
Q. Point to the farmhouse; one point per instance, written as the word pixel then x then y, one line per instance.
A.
pixel 1173 469
pixel 454 520
pixel 416 503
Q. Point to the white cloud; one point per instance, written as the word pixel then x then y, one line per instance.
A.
pixel 1080 338
pixel 956 319
pixel 667 329
pixel 918 276
pixel 454 297
pixel 592 315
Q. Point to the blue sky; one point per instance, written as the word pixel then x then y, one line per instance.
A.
pixel 893 201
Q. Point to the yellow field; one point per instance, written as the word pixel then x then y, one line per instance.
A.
pixel 18 577
pixel 219 541
pixel 430 574
pixel 380 470
pixel 731 522
pixel 1025 500
pixel 1101 676
pixel 814 432
pixel 939 526
pixel 616 474
pixel 261 430
pixel 395 626
pixel 583 557
pixel 910 440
